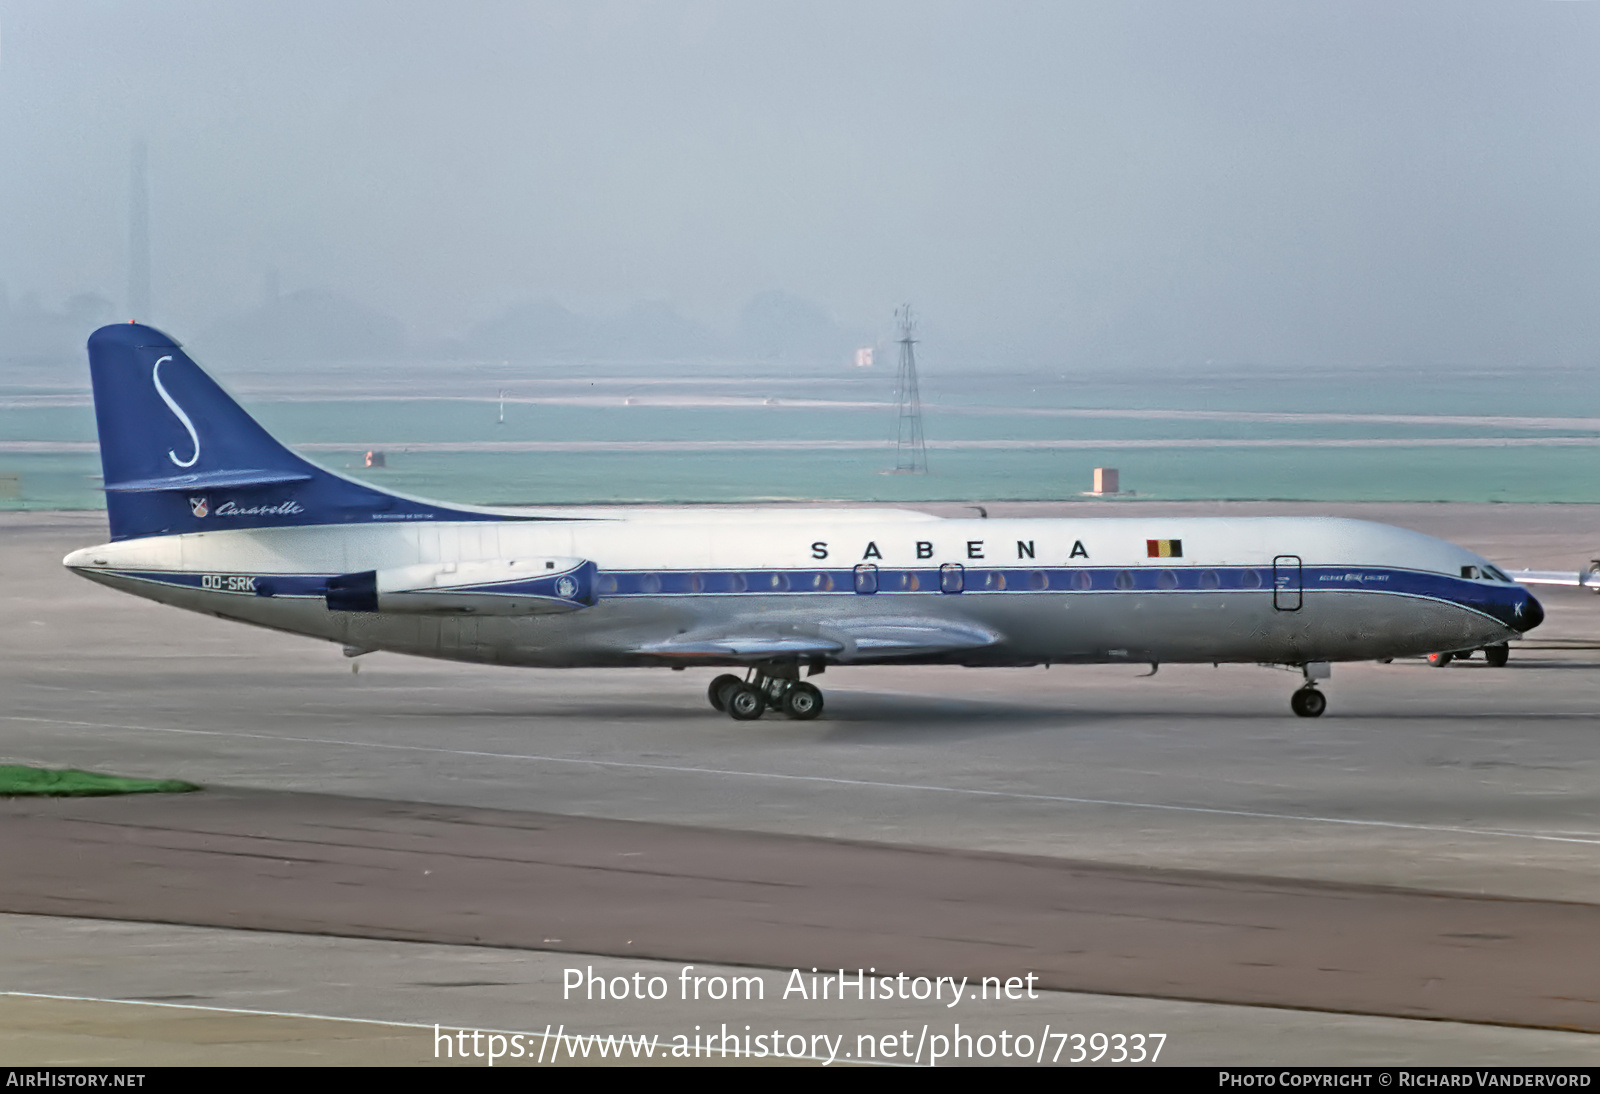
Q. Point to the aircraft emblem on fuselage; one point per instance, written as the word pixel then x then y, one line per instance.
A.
pixel 199 506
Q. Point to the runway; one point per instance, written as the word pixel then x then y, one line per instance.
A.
pixel 1180 838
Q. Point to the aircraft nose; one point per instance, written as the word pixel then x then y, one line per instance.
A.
pixel 1527 613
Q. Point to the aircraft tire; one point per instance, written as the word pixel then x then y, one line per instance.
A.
pixel 1497 656
pixel 744 703
pixel 1438 660
pixel 1308 703
pixel 802 702
pixel 714 692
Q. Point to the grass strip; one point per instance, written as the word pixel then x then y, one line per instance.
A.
pixel 18 781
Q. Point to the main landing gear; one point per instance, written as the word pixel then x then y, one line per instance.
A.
pixel 1308 702
pixel 1495 656
pixel 780 689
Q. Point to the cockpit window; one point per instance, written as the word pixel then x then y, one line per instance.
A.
pixel 1470 572
pixel 1497 574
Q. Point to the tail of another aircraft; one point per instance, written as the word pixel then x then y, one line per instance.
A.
pixel 179 455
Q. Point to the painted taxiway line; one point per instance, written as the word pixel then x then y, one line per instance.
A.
pixel 871 784
pixel 543 1037
pixel 235 1010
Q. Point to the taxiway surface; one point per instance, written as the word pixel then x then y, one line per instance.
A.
pixel 1463 782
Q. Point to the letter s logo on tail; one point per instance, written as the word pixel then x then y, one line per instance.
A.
pixel 155 375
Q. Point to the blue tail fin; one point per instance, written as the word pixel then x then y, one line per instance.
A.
pixel 179 455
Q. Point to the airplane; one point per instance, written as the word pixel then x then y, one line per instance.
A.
pixel 1499 654
pixel 1572 579
pixel 208 512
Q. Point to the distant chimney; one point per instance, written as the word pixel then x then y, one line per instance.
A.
pixel 1105 480
pixel 138 237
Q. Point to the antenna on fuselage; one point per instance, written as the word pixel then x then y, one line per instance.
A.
pixel 911 449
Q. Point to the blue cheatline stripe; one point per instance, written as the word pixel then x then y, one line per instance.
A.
pixel 1496 600
pixel 1068 579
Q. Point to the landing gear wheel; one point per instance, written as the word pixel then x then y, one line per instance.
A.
pixel 802 702
pixel 1439 660
pixel 714 692
pixel 1497 656
pixel 1308 703
pixel 744 703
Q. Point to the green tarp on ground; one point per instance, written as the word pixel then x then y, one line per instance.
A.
pixel 16 780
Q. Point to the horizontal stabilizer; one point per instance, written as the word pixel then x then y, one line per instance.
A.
pixel 207 480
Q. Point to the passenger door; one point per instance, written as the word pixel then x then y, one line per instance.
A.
pixel 1286 588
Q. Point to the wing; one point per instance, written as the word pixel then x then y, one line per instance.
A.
pixel 837 640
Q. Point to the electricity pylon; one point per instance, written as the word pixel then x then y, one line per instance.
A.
pixel 911 450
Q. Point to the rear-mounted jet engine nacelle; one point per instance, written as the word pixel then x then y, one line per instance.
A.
pixel 520 586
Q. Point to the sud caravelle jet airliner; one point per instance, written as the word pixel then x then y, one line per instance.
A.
pixel 208 512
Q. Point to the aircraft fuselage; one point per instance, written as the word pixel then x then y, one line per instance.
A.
pixel 852 586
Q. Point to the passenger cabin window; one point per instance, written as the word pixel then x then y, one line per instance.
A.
pixel 1251 579
pixel 1038 580
pixel 1083 579
pixel 1167 579
pixel 1124 579
pixel 1210 580
pixel 952 578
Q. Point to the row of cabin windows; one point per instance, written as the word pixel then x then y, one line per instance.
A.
pixel 949 578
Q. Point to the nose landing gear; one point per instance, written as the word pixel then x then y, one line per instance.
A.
pixel 780 688
pixel 1308 702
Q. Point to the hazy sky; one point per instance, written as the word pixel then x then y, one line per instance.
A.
pixel 1279 183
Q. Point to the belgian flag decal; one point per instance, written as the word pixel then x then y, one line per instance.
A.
pixel 1164 548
